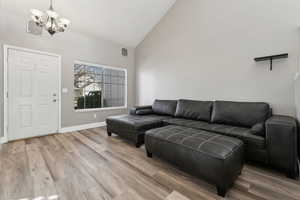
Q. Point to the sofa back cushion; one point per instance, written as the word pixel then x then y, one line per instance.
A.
pixel 164 107
pixel 244 114
pixel 197 110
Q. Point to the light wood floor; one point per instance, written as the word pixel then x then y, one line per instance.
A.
pixel 87 165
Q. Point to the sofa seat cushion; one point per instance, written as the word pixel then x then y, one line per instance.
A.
pixel 187 123
pixel 250 140
pixel 136 122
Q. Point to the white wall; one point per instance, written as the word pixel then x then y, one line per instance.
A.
pixel 204 49
pixel 71 46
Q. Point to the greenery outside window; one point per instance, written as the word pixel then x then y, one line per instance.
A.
pixel 99 86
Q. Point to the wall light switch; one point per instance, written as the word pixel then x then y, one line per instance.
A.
pixel 65 90
pixel 95 116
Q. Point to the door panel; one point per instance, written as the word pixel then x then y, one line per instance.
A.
pixel 25 83
pixel 32 81
pixel 25 116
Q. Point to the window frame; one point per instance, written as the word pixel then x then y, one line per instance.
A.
pixel 104 67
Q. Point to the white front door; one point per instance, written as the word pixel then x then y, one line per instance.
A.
pixel 33 91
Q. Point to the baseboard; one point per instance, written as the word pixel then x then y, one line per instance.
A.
pixel 69 129
pixel 82 127
pixel 3 140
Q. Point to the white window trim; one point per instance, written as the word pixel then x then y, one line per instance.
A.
pixel 107 67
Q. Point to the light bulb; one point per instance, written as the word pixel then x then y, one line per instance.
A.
pixel 36 12
pixel 64 21
pixel 35 18
pixel 48 25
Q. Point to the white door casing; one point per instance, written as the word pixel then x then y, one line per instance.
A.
pixel 33 85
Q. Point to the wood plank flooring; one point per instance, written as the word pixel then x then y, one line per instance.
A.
pixel 88 165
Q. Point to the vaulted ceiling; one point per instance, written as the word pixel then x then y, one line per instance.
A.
pixel 123 21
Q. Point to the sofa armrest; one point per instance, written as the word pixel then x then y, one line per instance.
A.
pixel 281 141
pixel 135 110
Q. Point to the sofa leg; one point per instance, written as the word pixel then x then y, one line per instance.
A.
pixel 149 155
pixel 292 175
pixel 109 133
pixel 138 145
pixel 221 191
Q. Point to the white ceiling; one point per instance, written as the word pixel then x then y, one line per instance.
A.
pixel 123 21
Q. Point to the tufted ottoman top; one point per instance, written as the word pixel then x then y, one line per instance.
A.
pixel 212 144
pixel 125 122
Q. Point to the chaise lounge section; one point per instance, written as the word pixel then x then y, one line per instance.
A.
pixel 133 127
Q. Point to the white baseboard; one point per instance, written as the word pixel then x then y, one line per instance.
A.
pixel 82 127
pixel 69 129
pixel 3 140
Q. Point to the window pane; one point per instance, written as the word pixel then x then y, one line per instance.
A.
pixel 97 87
pixel 114 88
pixel 87 86
pixel 79 82
pixel 93 96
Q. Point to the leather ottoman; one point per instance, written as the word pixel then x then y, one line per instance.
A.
pixel 133 127
pixel 216 158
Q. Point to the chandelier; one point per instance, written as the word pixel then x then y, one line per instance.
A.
pixel 49 20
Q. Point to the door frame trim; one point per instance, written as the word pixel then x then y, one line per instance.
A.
pixel 5 79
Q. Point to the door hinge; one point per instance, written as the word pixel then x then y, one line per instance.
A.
pixel 6 94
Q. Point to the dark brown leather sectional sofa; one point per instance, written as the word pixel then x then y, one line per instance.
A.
pixel 267 138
